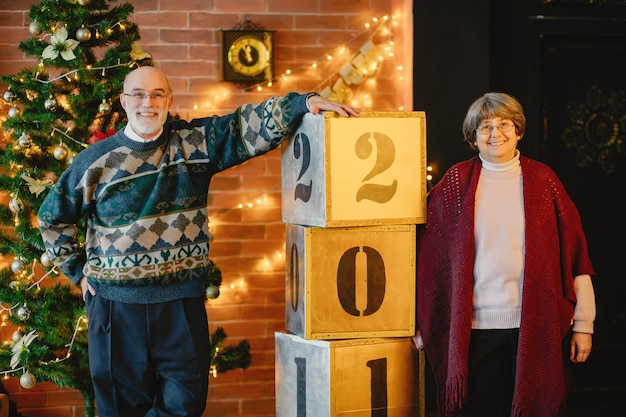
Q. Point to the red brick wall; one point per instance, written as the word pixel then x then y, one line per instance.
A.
pixel 183 38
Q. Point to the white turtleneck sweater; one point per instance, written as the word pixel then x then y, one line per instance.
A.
pixel 499 260
pixel 499 234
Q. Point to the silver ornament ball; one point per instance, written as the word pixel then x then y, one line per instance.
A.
pixel 23 313
pixel 17 266
pixel 24 141
pixel 17 335
pixel 49 104
pixel 34 29
pixel 28 380
pixel 13 112
pixel 45 259
pixel 212 291
pixel 8 96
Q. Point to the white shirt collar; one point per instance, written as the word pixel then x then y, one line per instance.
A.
pixel 128 131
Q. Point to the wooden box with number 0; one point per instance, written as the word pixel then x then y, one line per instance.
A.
pixel 350 282
pixel 356 171
pixel 348 378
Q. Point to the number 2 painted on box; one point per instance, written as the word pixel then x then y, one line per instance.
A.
pixel 385 157
pixel 302 148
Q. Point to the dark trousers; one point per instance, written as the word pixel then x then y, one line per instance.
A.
pixel 491 378
pixel 492 367
pixel 148 359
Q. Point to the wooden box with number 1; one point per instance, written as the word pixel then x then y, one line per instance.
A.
pixel 356 171
pixel 378 377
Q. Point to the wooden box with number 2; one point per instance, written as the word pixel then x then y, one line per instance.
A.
pixel 356 171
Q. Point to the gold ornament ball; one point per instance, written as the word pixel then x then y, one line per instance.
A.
pixel 83 34
pixel 34 28
pixel 104 107
pixel 16 205
pixel 13 112
pixel 84 2
pixel 212 291
pixel 60 152
pixel 28 380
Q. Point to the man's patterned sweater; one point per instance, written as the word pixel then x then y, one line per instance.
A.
pixel 145 204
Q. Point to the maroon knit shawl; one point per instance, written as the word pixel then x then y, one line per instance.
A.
pixel 556 252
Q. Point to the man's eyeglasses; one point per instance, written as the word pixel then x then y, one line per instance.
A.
pixel 486 128
pixel 140 96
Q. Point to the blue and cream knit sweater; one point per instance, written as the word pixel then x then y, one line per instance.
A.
pixel 145 203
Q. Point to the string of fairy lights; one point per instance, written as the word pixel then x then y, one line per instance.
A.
pixel 346 73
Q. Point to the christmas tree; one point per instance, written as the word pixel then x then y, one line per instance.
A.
pixel 57 108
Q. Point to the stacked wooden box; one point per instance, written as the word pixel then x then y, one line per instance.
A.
pixel 353 191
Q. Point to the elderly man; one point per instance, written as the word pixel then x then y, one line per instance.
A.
pixel 143 193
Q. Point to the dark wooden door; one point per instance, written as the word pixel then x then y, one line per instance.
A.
pixel 566 61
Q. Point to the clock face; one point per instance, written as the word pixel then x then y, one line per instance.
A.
pixel 247 55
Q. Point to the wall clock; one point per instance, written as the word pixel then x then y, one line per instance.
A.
pixel 247 55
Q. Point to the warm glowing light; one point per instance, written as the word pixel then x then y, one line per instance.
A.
pixel 266 265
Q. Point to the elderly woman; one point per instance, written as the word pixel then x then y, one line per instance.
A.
pixel 505 301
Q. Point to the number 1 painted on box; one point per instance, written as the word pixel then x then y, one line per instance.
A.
pixel 378 387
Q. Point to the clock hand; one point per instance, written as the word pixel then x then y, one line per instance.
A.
pixel 248 50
